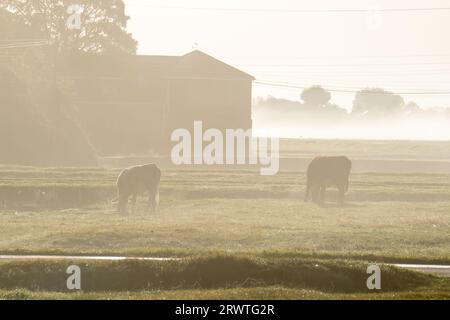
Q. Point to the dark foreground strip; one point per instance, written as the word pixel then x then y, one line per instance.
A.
pixel 65 257
pixel 236 309
pixel 438 270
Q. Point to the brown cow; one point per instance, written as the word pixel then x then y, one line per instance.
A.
pixel 135 180
pixel 326 172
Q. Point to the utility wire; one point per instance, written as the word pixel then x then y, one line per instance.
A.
pixel 290 85
pixel 341 73
pixel 22 40
pixel 252 10
pixel 343 65
pixel 24 45
pixel 353 87
pixel 296 57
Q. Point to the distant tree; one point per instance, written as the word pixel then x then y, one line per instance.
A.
pixel 412 107
pixel 334 109
pixel 315 96
pixel 102 27
pixel 377 102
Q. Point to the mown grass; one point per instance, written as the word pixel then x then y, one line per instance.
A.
pixel 275 239
pixel 368 149
pixel 388 217
pixel 384 229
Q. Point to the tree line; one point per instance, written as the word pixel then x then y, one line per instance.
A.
pixel 370 103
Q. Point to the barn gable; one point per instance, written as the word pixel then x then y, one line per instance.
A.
pixel 195 64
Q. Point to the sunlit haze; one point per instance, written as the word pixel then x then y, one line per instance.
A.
pixel 275 41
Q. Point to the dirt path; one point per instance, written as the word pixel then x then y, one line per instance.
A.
pixel 439 270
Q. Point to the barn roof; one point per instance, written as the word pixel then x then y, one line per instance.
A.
pixel 194 65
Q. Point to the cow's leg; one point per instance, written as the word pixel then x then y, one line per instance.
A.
pixel 133 202
pixel 152 198
pixel 122 205
pixel 152 202
pixel 315 193
pixel 308 190
pixel 323 189
pixel 341 194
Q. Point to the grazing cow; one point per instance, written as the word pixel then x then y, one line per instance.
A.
pixel 326 172
pixel 135 180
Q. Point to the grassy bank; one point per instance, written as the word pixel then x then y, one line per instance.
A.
pixel 214 272
pixel 257 293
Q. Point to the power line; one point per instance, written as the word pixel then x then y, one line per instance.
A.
pixel 295 86
pixel 398 85
pixel 355 73
pixel 350 87
pixel 23 45
pixel 297 57
pixel 352 78
pixel 23 40
pixel 274 10
pixel 344 65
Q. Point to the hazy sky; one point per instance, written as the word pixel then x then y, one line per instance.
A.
pixel 275 41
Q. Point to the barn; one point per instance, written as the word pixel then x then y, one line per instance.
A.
pixel 131 104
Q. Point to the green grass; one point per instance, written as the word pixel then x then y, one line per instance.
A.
pixel 216 272
pixel 368 149
pixel 378 228
pixel 404 216
pixel 257 293
pixel 388 218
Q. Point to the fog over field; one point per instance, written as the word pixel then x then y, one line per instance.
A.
pixel 211 149
pixel 294 119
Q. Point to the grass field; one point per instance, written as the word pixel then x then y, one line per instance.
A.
pixel 236 213
pixel 394 157
pixel 368 149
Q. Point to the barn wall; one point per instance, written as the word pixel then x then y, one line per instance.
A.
pixel 123 116
pixel 219 104
pixel 137 116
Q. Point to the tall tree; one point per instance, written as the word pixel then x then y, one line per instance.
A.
pixel 315 96
pixel 97 26
pixel 36 127
pixel 377 102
